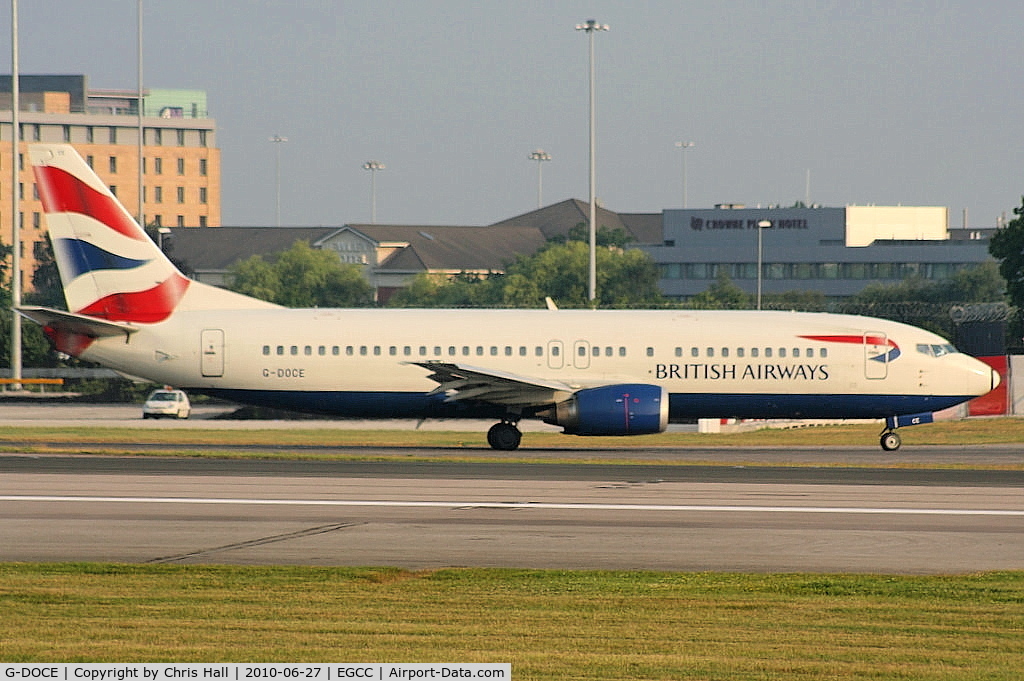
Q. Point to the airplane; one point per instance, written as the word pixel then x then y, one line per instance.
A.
pixel 591 372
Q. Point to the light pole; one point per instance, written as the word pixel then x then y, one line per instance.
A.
pixel 373 167
pixel 539 156
pixel 761 226
pixel 16 351
pixel 684 146
pixel 278 140
pixel 591 26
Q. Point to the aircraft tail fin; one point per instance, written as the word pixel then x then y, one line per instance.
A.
pixel 109 267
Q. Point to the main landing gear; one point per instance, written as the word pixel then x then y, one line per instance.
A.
pixel 504 436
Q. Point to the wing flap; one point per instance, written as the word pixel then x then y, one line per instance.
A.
pixel 464 382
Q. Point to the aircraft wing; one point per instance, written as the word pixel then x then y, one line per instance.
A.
pixel 463 382
pixel 80 324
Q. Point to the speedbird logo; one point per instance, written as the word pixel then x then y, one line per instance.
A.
pixel 886 349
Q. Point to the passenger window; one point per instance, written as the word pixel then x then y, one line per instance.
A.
pixel 266 349
pixel 695 352
pixel 362 350
pixel 622 351
pixel 407 351
pixel 767 352
pixel 555 351
pixel 679 352
pixel 349 350
pixel 322 350
pixel 308 350
pixel 479 350
pixel 823 352
pixel 609 351
pixel 508 350
pixel 596 352
pixel 295 349
pixel 437 350
pixel 725 352
pixel 392 350
pixel 754 352
pixel 538 351
pixel 522 351
pixel 451 350
pixel 782 352
pixel 710 352
pixel 465 351
pixel 376 350
pixel 740 352
pixel 650 352
pixel 335 350
pixel 582 351
pixel 796 352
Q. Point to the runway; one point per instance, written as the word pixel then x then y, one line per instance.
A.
pixel 438 514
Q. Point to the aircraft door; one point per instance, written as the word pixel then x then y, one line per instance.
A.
pixel 211 361
pixel 876 355
pixel 581 354
pixel 555 358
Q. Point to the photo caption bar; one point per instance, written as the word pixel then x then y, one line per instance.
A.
pixel 197 671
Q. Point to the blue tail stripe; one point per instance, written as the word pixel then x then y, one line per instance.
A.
pixel 82 256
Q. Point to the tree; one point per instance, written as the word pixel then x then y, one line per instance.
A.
pixel 463 290
pixel 302 277
pixel 722 295
pixel 1007 246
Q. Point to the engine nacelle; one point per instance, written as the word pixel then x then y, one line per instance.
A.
pixel 626 409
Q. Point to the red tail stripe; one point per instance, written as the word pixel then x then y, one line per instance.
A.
pixel 148 307
pixel 62 192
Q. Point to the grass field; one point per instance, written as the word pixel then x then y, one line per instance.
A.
pixel 548 624
pixel 469 445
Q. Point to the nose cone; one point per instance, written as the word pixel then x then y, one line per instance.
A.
pixel 980 378
pixel 995 378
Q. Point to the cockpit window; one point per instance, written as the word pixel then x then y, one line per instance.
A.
pixel 936 350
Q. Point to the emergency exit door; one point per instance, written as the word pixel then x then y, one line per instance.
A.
pixel 212 358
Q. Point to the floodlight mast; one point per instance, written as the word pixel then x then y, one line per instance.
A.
pixel 591 26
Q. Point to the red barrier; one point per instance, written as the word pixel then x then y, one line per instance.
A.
pixel 996 402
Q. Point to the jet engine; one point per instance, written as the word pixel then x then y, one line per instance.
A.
pixel 626 409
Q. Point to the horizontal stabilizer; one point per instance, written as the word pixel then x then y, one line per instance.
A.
pixel 79 324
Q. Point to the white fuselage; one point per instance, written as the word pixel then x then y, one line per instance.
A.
pixel 748 364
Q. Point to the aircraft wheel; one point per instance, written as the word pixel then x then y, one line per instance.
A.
pixel 504 436
pixel 890 441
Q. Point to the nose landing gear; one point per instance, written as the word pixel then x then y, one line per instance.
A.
pixel 890 440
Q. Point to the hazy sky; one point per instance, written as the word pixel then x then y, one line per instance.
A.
pixel 884 102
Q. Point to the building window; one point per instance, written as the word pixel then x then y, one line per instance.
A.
pixel 181 221
pixel 181 138
pixel 202 221
pixel 89 134
pixel 158 166
pixel 113 135
pixel 113 164
pixel 158 136
pixel 202 138
pixel 67 133
pixel 181 195
pixel 202 195
pixel 181 166
pixel 158 194
pixel 202 167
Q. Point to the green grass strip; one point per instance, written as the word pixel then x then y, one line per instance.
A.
pixel 548 624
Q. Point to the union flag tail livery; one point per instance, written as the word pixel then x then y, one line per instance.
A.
pixel 592 372
pixel 110 268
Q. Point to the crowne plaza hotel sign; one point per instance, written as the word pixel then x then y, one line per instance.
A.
pixel 698 224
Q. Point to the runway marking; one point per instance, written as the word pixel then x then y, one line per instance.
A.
pixel 519 505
